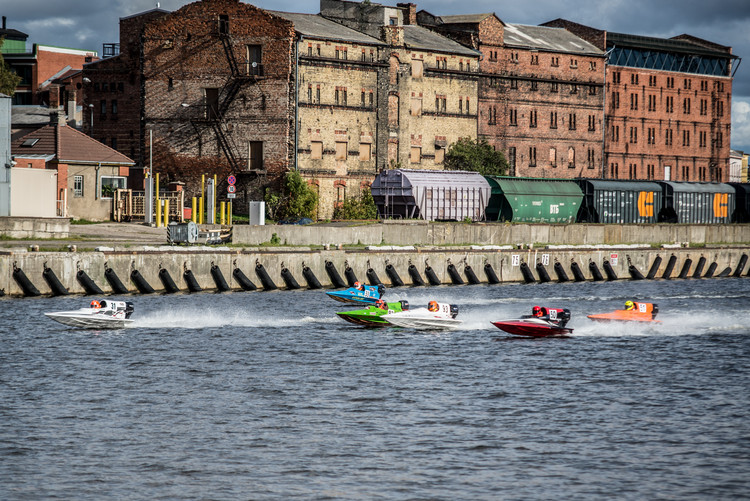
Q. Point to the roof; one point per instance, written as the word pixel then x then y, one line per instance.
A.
pixel 29 115
pixel 465 18
pixel 417 37
pixel 416 177
pixel 547 38
pixel 664 45
pixel 316 26
pixel 68 145
pixel 10 33
pixel 159 10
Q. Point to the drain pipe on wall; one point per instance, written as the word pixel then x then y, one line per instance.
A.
pixel 300 39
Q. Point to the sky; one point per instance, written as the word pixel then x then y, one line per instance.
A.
pixel 87 24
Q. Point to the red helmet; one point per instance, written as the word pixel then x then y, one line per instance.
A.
pixel 536 310
pixel 95 304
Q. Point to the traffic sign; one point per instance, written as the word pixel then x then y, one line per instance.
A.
pixel 231 188
pixel 231 180
pixel 231 195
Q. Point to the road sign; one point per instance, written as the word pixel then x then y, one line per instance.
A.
pixel 231 195
pixel 231 180
pixel 231 188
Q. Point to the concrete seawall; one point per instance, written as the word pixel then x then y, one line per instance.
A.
pixel 507 263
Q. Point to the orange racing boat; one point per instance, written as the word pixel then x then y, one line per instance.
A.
pixel 642 312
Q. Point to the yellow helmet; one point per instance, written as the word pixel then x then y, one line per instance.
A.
pixel 629 304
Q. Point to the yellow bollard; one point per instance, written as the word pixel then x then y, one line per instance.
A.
pixel 166 212
pixel 216 186
pixel 222 213
pixel 203 197
pixel 200 210
pixel 195 209
pixel 229 214
pixel 158 213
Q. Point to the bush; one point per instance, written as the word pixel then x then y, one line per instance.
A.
pixel 357 208
pixel 297 199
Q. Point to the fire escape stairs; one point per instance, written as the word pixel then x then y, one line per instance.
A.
pixel 227 95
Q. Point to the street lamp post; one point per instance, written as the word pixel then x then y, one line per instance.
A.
pixel 91 114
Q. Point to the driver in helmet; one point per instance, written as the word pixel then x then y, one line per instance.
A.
pixel 433 306
pixel 380 304
pixel 629 305
pixel 536 311
pixel 95 304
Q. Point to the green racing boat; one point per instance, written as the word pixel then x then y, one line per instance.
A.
pixel 372 316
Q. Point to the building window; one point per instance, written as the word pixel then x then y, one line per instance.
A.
pixel 634 79
pixel 316 150
pixel 553 120
pixel 634 135
pixel 114 106
pixel 224 24
pixel 668 137
pixel 362 98
pixel 535 59
pixel 592 65
pixel 615 77
pixel 440 103
pixel 652 102
pixel 417 68
pixel 170 84
pixel 555 62
pixel 317 50
pixel 416 155
pixel 572 121
pixel 591 158
pixel 255 155
pixel 111 183
pixel 513 117
pixel 416 106
pixel 702 139
pixel 720 108
pixel 534 85
pixel 532 118
pixel 253 56
pixel 365 152
pixel 309 94
pixel 633 171
pixel 309 50
pixel 670 103
pixel 513 83
pixel 592 90
pixel 686 138
pixel 553 157
pixel 114 143
pixel 78 186
pixel 371 99
pixel 573 88
pixel 633 101
pixel 704 107
pixel 670 82
pixel 439 154
pixel 687 84
pixel 532 156
pixel 616 100
pixel 574 63
pixel 341 150
pixel 592 122
pixel 652 80
pixel 651 135
pixel 553 87
pixel 317 94
pixel 685 173
pixel 686 106
pixel 615 133
pixel 103 107
pixel 651 171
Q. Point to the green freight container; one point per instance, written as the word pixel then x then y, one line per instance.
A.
pixel 530 200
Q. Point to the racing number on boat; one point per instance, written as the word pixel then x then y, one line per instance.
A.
pixel 553 314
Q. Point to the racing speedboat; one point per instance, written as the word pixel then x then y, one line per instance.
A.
pixel 372 316
pixel 102 314
pixel 435 316
pixel 551 323
pixel 366 294
pixel 642 312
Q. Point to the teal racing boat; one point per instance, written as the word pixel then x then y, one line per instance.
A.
pixel 372 316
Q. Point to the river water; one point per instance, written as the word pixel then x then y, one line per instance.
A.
pixel 269 395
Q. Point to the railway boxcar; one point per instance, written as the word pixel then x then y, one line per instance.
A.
pixel 621 202
pixel 530 200
pixel 742 202
pixel 686 202
pixel 431 195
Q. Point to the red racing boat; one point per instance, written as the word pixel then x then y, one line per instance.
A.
pixel 551 323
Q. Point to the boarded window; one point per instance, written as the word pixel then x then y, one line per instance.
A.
pixel 439 155
pixel 416 106
pixel 365 151
pixel 553 157
pixel 417 68
pixel 255 155
pixel 212 103
pixel 416 155
pixel 316 150
pixel 341 150
pixel 571 157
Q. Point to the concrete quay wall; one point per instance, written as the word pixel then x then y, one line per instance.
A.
pixel 35 227
pixel 424 233
pixel 506 263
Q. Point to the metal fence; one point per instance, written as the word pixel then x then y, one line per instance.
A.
pixel 129 205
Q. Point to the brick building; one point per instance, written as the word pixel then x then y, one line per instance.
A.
pixel 540 94
pixel 43 68
pixel 667 107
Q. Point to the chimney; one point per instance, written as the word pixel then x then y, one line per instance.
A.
pixel 54 97
pixel 4 18
pixel 410 12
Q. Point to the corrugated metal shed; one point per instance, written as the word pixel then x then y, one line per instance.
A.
pixel 431 195
pixel 528 200
pixel 697 202
pixel 621 202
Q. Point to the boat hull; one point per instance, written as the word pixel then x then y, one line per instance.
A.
pixel 89 321
pixel 529 328
pixel 372 316
pixel 425 323
pixel 623 316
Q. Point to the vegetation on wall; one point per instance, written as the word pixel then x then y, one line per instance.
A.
pixel 477 156
pixel 8 78
pixel 296 200
pixel 362 207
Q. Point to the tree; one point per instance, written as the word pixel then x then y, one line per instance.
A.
pixel 8 78
pixel 357 208
pixel 476 155
pixel 296 200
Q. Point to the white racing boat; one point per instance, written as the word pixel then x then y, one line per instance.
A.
pixel 102 314
pixel 435 316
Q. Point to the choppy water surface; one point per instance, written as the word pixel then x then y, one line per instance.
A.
pixel 271 396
